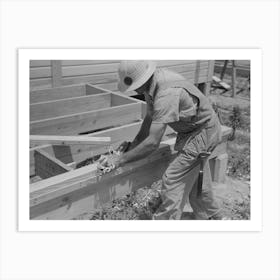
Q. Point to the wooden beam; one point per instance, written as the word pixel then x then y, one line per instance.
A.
pixel 63 197
pixel 69 106
pixel 224 69
pixel 221 83
pixel 36 140
pixel 40 63
pixel 69 91
pixel 78 153
pixel 110 78
pixel 48 166
pixel 56 93
pixel 233 79
pixel 89 121
pixel 56 73
pixel 69 195
pixel 98 88
pixel 211 66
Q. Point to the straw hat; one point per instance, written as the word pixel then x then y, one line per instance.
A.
pixel 134 73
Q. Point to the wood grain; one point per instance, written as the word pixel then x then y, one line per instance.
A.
pixel 36 140
pixel 69 106
pixel 89 121
pixel 47 166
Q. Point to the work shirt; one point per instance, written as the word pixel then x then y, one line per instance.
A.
pixel 179 104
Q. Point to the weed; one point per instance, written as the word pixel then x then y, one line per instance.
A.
pixel 236 120
pixel 138 205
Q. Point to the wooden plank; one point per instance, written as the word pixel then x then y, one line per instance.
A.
pixel 93 62
pixel 221 83
pixel 220 167
pixel 224 70
pixel 93 71
pixel 92 79
pixel 83 190
pixel 36 140
pixel 114 86
pixel 47 166
pixel 56 73
pixel 67 189
pixel 103 79
pixel 78 153
pixel 38 63
pixel 205 87
pixel 40 83
pixel 63 92
pixel 89 69
pixel 91 89
pixel 99 89
pixel 86 62
pixel 41 72
pixel 57 93
pixel 88 121
pixel 120 99
pixel 190 68
pixel 233 79
pixel 84 70
pixel 68 106
pixel 211 65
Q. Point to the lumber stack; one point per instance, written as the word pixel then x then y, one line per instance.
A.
pixel 67 129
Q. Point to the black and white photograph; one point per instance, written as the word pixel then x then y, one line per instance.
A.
pixel 140 139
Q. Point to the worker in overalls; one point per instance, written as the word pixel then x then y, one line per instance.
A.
pixel 173 101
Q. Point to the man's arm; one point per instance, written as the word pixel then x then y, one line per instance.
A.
pixel 146 147
pixel 143 132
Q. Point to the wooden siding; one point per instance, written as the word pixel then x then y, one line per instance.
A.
pixel 53 73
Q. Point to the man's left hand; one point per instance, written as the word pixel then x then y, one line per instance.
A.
pixel 109 162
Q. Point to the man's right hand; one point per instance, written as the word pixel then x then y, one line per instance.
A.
pixel 124 147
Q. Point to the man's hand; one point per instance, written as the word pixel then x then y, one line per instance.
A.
pixel 107 163
pixel 124 147
pixel 146 147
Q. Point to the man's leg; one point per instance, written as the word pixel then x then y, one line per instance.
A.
pixel 204 206
pixel 179 180
pixel 177 183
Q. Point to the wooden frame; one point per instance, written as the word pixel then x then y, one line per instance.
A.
pixel 69 195
pixel 76 115
pixel 66 192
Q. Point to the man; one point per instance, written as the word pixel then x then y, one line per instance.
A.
pixel 173 101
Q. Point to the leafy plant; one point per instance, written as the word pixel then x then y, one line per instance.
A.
pixel 236 120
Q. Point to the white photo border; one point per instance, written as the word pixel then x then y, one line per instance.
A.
pixel 24 57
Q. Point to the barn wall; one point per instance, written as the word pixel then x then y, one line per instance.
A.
pixel 51 73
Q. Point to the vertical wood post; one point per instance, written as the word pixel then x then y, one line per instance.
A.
pixel 206 87
pixel 220 168
pixel 233 79
pixel 196 74
pixel 224 69
pixel 56 73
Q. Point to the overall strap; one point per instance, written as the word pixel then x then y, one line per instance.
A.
pixel 187 86
pixel 174 84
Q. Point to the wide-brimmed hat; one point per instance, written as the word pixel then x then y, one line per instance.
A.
pixel 134 73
